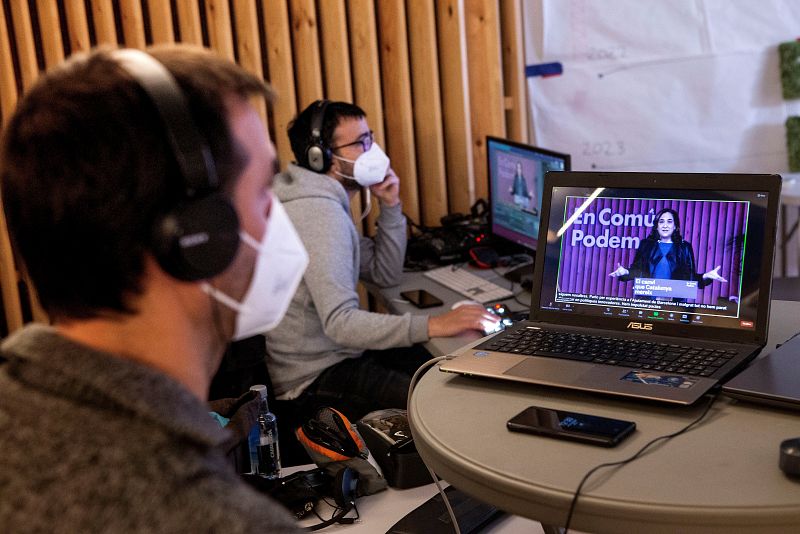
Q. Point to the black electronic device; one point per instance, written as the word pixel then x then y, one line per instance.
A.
pixel 790 457
pixel 573 426
pixel 388 436
pixel 300 492
pixel 198 238
pixel 516 176
pixel 421 298
pixel 431 517
pixel 432 246
pixel 318 156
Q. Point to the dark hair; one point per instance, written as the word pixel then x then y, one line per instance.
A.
pixel 676 234
pixel 300 128
pixel 86 171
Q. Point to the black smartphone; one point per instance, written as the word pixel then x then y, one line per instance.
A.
pixel 574 426
pixel 421 298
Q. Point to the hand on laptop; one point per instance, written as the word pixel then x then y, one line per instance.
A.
pixel 467 317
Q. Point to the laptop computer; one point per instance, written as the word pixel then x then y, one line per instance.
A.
pixel 773 379
pixel 646 285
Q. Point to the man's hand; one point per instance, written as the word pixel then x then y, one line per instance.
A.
pixel 463 318
pixel 388 191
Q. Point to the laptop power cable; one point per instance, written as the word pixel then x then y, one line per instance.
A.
pixel 639 453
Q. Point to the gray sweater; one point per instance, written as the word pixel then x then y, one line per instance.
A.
pixel 324 324
pixel 90 442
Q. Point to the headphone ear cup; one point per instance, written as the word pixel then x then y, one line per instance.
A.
pixel 319 157
pixel 198 239
pixel 345 487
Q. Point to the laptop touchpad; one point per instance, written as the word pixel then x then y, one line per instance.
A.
pixel 551 371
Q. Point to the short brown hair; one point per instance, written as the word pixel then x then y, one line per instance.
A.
pixel 86 170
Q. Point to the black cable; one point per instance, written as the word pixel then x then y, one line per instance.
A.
pixel 638 453
pixel 516 299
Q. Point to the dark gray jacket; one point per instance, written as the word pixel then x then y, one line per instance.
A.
pixel 90 442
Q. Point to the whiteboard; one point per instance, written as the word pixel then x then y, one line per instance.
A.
pixel 662 85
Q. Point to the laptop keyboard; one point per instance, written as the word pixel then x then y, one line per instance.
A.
pixel 668 357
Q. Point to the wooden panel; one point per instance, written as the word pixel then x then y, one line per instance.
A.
pixel 366 63
pixel 8 82
pixel 132 23
pixel 26 47
pixel 335 55
pixel 397 101
pixel 366 72
pixel 485 82
pixel 248 45
pixel 77 26
pixel 8 99
pixel 218 21
pixel 455 105
pixel 307 67
pixel 161 21
pixel 513 48
pixel 281 67
pixel 189 22
pixel 427 110
pixel 8 279
pixel 50 29
pixel 104 28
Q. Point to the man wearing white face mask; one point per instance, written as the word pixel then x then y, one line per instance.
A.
pixel 328 351
pixel 137 189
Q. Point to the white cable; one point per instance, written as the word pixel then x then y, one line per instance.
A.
pixel 422 368
pixel 369 204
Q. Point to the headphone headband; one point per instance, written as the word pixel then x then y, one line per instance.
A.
pixel 318 155
pixel 318 118
pixel 199 238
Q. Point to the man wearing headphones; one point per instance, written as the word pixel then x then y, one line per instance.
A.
pixel 137 189
pixel 328 351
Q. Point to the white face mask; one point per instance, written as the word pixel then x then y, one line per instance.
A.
pixel 369 168
pixel 280 265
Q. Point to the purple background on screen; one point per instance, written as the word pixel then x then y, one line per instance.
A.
pixel 714 229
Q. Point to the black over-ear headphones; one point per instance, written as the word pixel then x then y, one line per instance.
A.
pixel 197 239
pixel 318 156
pixel 345 491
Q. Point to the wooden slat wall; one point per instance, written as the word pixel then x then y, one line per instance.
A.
pixel 434 78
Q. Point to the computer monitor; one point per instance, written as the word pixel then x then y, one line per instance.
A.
pixel 516 175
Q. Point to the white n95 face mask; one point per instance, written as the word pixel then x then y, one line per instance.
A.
pixel 282 260
pixel 369 168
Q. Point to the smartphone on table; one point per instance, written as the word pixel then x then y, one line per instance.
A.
pixel 573 426
pixel 421 298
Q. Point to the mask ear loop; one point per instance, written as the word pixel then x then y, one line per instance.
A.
pixel 369 205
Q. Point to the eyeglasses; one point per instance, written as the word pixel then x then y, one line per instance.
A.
pixel 365 140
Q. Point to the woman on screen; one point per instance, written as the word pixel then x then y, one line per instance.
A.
pixel 665 254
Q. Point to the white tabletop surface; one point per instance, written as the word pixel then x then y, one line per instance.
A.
pixel 723 476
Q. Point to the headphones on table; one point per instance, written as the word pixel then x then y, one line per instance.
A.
pixel 318 155
pixel 345 490
pixel 198 238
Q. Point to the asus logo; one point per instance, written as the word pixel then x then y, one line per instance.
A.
pixel 640 326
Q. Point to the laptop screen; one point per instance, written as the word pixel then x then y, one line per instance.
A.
pixel 653 256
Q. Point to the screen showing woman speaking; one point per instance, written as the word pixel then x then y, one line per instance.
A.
pixel 691 257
